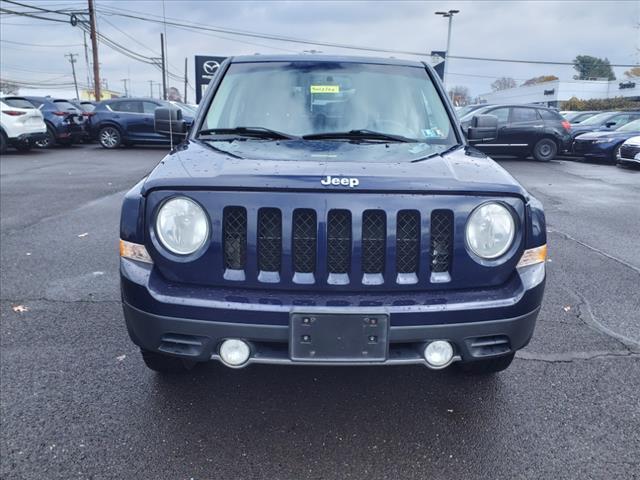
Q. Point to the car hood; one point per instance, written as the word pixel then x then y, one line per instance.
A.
pixel 194 165
pixel 607 134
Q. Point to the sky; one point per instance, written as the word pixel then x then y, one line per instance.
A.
pixel 526 30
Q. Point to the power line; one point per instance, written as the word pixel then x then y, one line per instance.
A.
pixel 327 44
pixel 40 45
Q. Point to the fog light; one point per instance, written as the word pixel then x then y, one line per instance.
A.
pixel 438 354
pixel 234 352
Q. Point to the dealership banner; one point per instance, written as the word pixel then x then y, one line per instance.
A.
pixel 206 68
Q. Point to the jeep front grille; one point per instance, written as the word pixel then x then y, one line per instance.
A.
pixel 235 237
pixel 441 241
pixel 305 240
pixel 374 240
pixel 339 241
pixel 370 247
pixel 269 240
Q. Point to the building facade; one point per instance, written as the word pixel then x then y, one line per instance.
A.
pixel 552 93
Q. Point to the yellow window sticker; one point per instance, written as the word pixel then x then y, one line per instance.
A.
pixel 325 88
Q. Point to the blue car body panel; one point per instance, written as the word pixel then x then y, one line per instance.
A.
pixel 591 145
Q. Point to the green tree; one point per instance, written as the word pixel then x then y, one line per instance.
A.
pixel 592 67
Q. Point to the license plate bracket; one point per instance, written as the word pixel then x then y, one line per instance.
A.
pixel 328 337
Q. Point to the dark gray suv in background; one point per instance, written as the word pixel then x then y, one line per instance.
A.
pixel 524 130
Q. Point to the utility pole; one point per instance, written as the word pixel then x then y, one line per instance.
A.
pixel 164 78
pixel 185 80
pixel 159 91
pixel 126 92
pixel 72 60
pixel 448 15
pixel 150 88
pixel 86 58
pixel 94 49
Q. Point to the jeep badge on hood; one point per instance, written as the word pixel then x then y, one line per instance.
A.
pixel 347 182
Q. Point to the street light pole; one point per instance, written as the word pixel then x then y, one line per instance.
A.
pixel 448 15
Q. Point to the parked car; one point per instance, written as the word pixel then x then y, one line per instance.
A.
pixel 21 124
pixel 603 122
pixel 298 227
pixel 577 117
pixel 524 130
pixel 65 123
pixel 629 153
pixel 462 111
pixel 605 145
pixel 128 121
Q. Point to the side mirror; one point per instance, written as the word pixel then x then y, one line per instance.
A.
pixel 169 121
pixel 483 128
pixel 609 124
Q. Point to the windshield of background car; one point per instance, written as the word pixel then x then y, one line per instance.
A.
pixel 304 98
pixel 630 127
pixel 596 119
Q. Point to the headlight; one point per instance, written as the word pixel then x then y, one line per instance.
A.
pixel 604 140
pixel 182 226
pixel 490 230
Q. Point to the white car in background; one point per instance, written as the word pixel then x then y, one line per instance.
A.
pixel 21 124
pixel 629 152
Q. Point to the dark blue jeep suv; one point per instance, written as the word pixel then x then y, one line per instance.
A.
pixel 329 211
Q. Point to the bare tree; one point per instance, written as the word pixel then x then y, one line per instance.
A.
pixel 460 96
pixel 8 88
pixel 503 83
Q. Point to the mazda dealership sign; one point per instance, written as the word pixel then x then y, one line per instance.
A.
pixel 206 68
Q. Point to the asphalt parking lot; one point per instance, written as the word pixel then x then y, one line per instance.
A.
pixel 77 401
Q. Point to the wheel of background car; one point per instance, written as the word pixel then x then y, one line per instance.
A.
pixel 3 143
pixel 545 150
pixel 109 137
pixel 48 141
pixel 614 154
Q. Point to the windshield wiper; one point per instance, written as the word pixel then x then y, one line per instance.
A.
pixel 257 132
pixel 359 134
pixel 444 152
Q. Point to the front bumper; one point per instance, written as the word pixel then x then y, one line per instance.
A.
pixel 184 322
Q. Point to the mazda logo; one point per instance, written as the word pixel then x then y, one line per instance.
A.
pixel 210 67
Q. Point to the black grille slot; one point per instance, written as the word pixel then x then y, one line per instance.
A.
pixel 235 237
pixel 407 241
pixel 374 239
pixel 441 240
pixel 338 241
pixel 305 239
pixel 269 239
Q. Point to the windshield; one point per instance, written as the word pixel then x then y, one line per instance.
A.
pixel 596 119
pixel 630 127
pixel 309 98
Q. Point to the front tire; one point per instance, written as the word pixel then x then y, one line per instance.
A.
pixel 4 143
pixel 164 363
pixel 488 366
pixel 545 150
pixel 109 137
